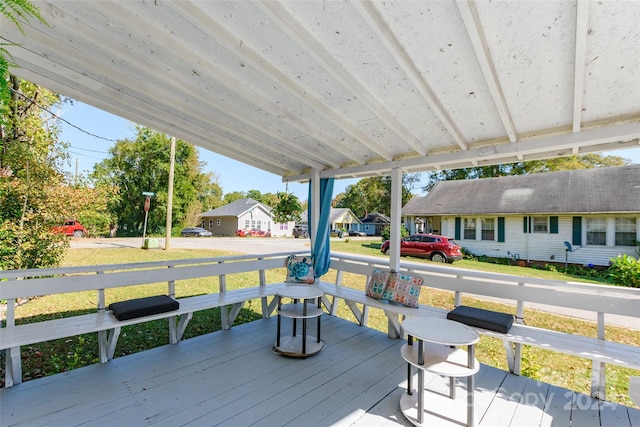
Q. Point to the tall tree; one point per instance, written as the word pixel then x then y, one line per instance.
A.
pixel 374 194
pixel 31 159
pixel 585 161
pixel 142 165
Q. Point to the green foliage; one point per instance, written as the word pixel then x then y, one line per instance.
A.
pixel 14 10
pixel 30 164
pixel 625 271
pixel 142 165
pixel 374 194
pixel 386 232
pixel 287 209
pixel 31 245
pixel 585 161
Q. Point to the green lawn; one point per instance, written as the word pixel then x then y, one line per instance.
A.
pixel 48 358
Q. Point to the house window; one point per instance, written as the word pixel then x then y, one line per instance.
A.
pixel 488 229
pixel 596 231
pixel 469 228
pixel 247 224
pixel 540 224
pixel 253 223
pixel 211 223
pixel 626 232
pixel 259 225
pixel 218 222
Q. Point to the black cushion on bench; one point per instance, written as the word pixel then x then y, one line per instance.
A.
pixel 485 319
pixel 140 307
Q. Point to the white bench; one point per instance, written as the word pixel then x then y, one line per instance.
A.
pixel 600 298
pixel 13 336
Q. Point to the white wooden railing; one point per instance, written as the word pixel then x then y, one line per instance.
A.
pixel 599 300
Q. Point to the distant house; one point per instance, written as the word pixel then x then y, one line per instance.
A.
pixel 339 218
pixel 530 217
pixel 374 222
pixel 243 214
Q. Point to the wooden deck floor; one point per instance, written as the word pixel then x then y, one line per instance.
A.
pixel 233 378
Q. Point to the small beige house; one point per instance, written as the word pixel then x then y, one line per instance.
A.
pixel 530 217
pixel 243 214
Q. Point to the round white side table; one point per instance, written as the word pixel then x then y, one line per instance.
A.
pixel 436 351
pixel 299 345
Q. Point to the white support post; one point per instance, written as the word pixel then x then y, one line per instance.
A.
pixel 517 355
pixel 172 321
pixel 224 314
pixel 102 335
pixel 13 362
pixel 598 369
pixel 263 283
pixel 394 238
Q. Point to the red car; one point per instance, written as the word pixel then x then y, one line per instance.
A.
pixel 253 233
pixel 436 248
pixel 71 228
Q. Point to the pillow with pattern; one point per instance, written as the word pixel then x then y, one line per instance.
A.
pixel 378 283
pixel 403 289
pixel 299 269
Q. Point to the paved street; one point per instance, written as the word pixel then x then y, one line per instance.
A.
pixel 253 245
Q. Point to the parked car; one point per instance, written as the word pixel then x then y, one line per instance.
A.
pixel 436 248
pixel 336 233
pixel 195 232
pixel 357 233
pixel 254 232
pixel 300 231
pixel 71 228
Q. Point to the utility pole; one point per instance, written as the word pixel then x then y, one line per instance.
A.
pixel 172 162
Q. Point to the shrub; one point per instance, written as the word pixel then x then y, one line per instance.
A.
pixel 625 271
pixel 386 232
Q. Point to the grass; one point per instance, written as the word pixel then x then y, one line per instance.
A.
pixel 51 357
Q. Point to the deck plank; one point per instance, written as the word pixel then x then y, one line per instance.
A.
pixel 234 377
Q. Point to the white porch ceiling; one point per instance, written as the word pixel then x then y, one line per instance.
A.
pixel 351 88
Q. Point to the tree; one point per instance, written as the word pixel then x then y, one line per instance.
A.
pixel 374 194
pixel 13 10
pixel 585 161
pixel 142 165
pixel 31 158
pixel 233 196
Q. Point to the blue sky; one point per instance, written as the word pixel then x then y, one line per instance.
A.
pixel 87 150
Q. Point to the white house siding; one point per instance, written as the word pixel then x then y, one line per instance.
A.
pixel 282 230
pixel 545 247
pixel 258 219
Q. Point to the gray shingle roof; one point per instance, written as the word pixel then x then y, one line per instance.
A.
pixel 599 190
pixel 237 208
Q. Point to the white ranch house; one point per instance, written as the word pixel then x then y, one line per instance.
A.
pixel 243 214
pixel 597 211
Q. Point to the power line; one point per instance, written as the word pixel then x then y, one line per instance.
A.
pixel 33 101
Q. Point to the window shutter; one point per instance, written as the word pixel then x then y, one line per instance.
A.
pixel 525 224
pixel 458 226
pixel 553 224
pixel 577 231
pixel 500 229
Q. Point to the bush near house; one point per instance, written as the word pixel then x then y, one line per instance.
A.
pixel 625 271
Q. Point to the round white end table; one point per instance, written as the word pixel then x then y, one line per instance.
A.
pixel 296 345
pixel 437 351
